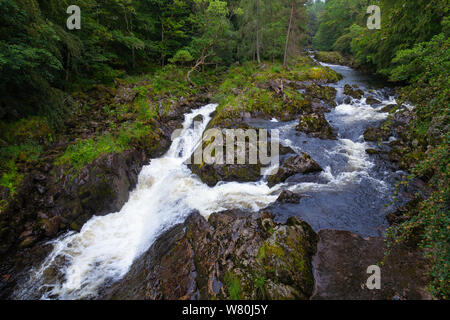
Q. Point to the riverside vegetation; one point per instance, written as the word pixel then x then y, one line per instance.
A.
pixel 83 111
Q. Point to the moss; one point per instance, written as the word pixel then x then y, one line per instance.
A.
pixel 245 89
pixel 12 159
pixel 325 93
pixel 32 129
pixel 86 151
pixel 316 125
pixel 259 283
pixel 332 57
pixel 269 250
pixel 233 284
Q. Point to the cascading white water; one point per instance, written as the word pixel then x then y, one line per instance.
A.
pixel 166 193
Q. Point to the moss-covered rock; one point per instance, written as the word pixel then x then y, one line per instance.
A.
pixel 233 255
pixel 372 101
pixel 378 134
pixel 315 125
pixel 325 93
pixel 332 57
pixel 355 93
pixel 389 108
pixel 222 169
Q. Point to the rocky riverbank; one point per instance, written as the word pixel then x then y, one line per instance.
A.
pixel 244 255
pixel 232 255
pixel 54 197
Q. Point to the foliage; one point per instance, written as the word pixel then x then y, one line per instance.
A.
pixel 335 19
pixel 233 284
pixel 426 66
pixel 85 151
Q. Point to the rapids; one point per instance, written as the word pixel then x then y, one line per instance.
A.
pixel 350 194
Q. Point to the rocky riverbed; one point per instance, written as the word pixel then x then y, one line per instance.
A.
pixel 169 230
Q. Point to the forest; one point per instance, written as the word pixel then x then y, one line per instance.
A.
pixel 68 98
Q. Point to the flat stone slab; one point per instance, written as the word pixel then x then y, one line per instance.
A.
pixel 342 260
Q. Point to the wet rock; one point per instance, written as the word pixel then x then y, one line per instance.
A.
pixel 315 125
pixel 230 256
pixel 300 164
pixel 212 173
pixel 199 118
pixel 286 150
pixel 289 197
pixel 101 188
pixel 318 107
pixel 342 259
pixel 377 134
pixel 51 226
pixel 389 108
pixel 323 93
pixel 372 151
pixel 353 92
pixel 372 101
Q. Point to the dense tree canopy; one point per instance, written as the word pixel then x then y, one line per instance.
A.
pixel 40 58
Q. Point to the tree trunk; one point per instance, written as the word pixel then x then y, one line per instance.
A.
pixel 200 62
pixel 258 56
pixel 288 34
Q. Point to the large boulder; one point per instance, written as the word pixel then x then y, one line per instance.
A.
pixel 315 125
pixel 342 261
pixel 323 93
pixel 299 164
pixel 372 101
pixel 287 196
pixel 353 92
pixel 212 173
pixel 332 57
pixel 233 255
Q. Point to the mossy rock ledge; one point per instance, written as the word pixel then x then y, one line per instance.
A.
pixel 232 255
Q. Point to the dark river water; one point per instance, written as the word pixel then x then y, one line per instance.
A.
pixel 354 190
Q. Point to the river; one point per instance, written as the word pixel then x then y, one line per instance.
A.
pixel 350 194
